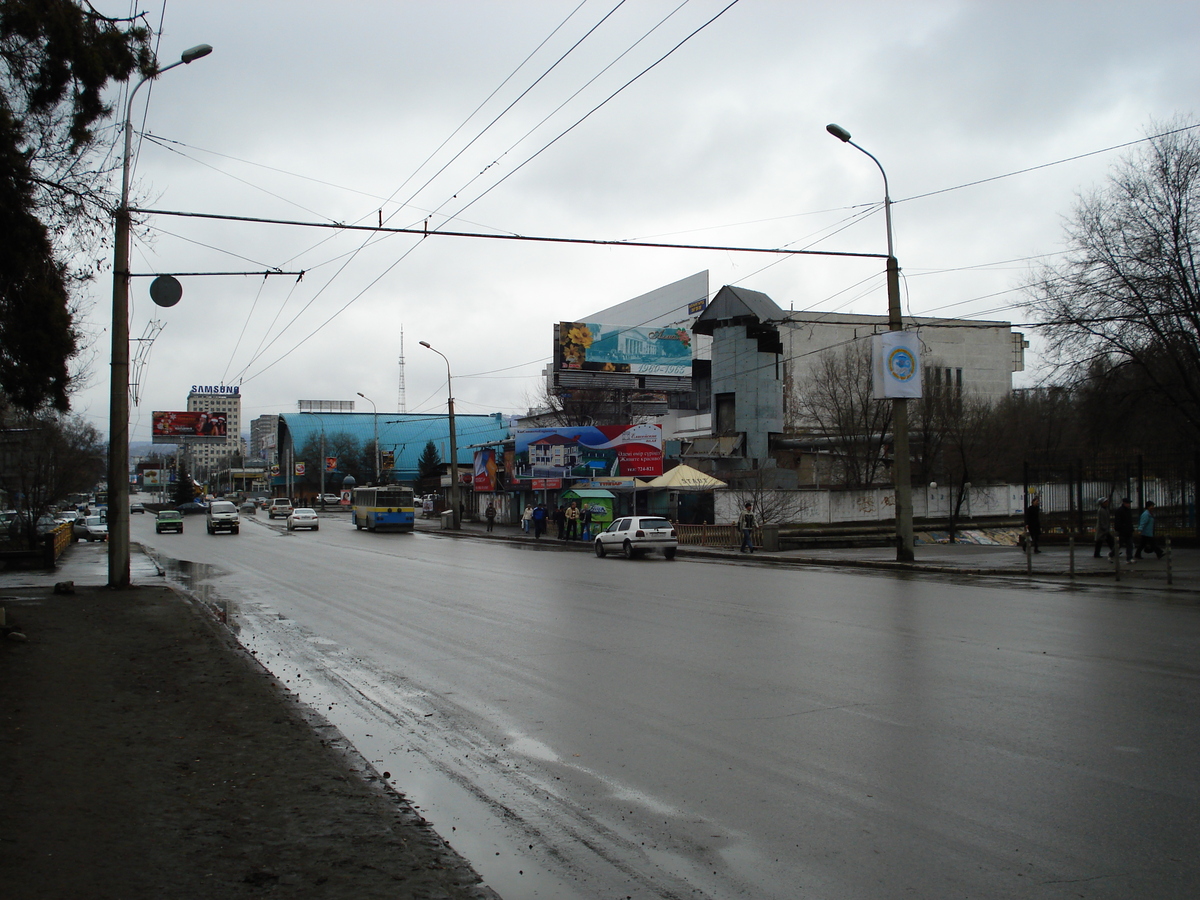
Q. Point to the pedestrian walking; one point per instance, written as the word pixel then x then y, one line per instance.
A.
pixel 560 521
pixel 1146 530
pixel 1033 522
pixel 745 523
pixel 490 515
pixel 1104 528
pixel 1123 519
pixel 585 524
pixel 572 514
pixel 527 518
pixel 539 521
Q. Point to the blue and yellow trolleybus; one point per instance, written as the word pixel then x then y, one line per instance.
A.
pixel 389 507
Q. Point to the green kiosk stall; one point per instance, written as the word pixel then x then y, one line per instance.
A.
pixel 600 502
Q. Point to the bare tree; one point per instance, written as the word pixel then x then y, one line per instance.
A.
pixel 569 407
pixel 45 457
pixel 1128 291
pixel 838 400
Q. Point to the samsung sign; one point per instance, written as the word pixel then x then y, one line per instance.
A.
pixel 230 390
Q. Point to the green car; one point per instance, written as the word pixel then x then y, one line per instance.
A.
pixel 169 520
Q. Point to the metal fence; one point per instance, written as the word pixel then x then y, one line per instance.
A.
pixel 715 535
pixel 1070 491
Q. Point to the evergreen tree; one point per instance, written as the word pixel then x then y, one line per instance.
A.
pixel 56 59
pixel 429 465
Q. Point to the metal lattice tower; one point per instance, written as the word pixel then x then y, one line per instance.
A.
pixel 402 401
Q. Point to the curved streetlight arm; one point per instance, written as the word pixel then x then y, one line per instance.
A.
pixel 844 136
pixel 188 57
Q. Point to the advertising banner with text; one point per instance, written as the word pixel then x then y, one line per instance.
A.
pixel 589 451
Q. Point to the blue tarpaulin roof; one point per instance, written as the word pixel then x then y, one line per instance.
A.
pixel 406 434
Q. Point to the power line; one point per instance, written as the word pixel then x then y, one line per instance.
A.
pixel 423 233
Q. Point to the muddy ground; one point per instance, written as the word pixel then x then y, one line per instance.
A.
pixel 145 754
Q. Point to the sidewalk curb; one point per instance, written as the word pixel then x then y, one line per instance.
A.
pixel 1056 576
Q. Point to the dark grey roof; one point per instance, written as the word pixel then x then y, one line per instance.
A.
pixel 738 306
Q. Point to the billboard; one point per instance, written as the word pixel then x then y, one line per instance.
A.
pixel 589 451
pixel 624 349
pixel 152 477
pixel 485 476
pixel 173 427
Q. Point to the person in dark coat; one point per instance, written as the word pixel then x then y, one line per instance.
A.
pixel 560 521
pixel 1123 519
pixel 490 515
pixel 539 521
pixel 1033 523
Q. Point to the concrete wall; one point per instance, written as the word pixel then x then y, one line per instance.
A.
pixel 824 507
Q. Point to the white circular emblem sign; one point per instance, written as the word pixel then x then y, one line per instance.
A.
pixel 901 365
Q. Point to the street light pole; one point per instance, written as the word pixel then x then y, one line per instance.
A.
pixel 901 469
pixel 454 514
pixel 375 421
pixel 118 400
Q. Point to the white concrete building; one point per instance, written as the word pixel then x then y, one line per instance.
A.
pixel 974 357
pixel 207 456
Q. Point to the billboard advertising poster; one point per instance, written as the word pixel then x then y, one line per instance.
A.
pixel 330 464
pixel 592 347
pixel 589 451
pixel 151 477
pixel 485 470
pixel 172 426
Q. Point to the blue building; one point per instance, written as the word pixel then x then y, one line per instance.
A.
pixel 402 440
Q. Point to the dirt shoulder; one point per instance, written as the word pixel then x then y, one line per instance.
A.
pixel 145 754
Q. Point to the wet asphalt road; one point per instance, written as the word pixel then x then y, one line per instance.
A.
pixel 612 728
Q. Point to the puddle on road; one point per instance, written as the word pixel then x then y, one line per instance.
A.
pixel 196 580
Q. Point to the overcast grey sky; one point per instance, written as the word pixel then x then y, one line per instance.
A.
pixel 328 112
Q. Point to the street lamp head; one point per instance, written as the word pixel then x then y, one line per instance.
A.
pixel 425 344
pixel 195 53
pixel 361 394
pixel 838 132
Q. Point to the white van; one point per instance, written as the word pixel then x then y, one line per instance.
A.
pixel 223 516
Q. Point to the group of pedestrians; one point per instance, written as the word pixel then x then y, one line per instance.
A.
pixel 571 522
pixel 1108 524
pixel 1122 523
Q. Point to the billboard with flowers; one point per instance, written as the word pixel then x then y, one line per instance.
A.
pixel 593 347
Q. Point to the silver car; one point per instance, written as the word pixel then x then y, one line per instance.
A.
pixel 303 518
pixel 635 535
pixel 90 528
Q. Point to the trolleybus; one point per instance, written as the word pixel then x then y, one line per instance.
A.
pixel 390 507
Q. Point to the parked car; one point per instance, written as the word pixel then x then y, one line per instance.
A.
pixel 330 499
pixel 136 508
pixel 634 535
pixel 90 528
pixel 303 518
pixel 47 524
pixel 168 520
pixel 223 516
pixel 281 507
